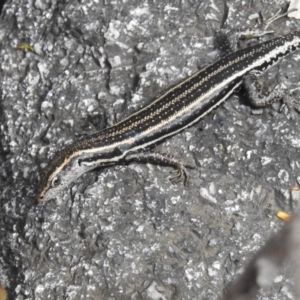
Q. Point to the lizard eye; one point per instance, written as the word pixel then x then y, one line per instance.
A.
pixel 55 181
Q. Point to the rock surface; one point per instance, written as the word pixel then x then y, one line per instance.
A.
pixel 125 232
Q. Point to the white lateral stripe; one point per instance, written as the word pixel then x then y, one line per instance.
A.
pixel 129 141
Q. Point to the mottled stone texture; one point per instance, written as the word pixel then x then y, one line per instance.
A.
pixel 125 232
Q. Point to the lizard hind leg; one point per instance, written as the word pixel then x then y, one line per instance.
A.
pixel 261 98
pixel 227 41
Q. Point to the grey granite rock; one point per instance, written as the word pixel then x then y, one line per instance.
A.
pixel 125 232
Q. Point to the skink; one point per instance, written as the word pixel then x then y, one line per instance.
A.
pixel 180 107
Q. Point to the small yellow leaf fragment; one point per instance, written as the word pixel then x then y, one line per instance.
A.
pixel 3 295
pixel 283 216
pixel 25 47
